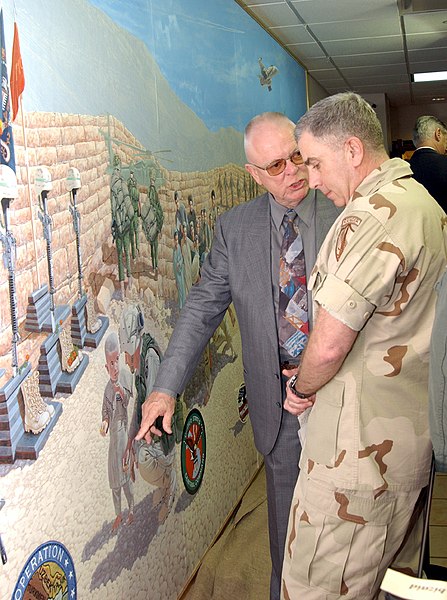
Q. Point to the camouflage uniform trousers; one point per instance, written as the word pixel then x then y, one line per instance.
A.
pixel 157 468
pixel 123 246
pixel 340 542
pixel 154 253
pixel 134 235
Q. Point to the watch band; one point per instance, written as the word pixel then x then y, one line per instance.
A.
pixel 292 382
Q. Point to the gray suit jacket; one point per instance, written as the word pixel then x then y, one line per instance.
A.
pixel 238 270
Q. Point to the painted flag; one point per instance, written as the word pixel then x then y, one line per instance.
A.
pixel 17 74
pixel 6 141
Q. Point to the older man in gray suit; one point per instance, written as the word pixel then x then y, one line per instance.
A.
pixel 243 268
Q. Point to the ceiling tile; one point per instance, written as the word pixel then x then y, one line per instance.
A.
pixel 355 29
pixel 305 51
pixel 326 75
pixel 375 71
pixel 361 46
pixel 292 34
pixel 251 3
pixel 316 64
pixel 275 15
pixel 426 22
pixel 372 58
pixel 417 41
pixel 356 79
pixel 428 55
pixel 320 11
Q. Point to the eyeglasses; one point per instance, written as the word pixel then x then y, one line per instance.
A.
pixel 277 166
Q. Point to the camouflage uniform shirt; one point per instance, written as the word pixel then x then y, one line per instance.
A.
pixel 375 272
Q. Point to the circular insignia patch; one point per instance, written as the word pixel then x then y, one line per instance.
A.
pixel 242 404
pixel 193 451
pixel 48 574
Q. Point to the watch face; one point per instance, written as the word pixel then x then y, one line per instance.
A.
pixel 292 382
pixel 193 451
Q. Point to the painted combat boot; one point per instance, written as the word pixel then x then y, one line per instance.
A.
pixel 70 355
pixel 37 412
pixel 93 322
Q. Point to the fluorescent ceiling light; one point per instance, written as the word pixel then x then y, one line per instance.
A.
pixel 434 76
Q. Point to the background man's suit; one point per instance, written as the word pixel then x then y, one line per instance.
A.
pixel 430 168
pixel 238 270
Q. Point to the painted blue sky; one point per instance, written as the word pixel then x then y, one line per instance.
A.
pixel 208 51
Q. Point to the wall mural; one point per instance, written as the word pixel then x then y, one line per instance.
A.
pixel 121 143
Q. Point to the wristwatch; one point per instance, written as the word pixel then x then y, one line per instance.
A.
pixel 292 382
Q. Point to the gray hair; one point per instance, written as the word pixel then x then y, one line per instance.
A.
pixel 277 118
pixel 341 116
pixel 112 343
pixel 425 127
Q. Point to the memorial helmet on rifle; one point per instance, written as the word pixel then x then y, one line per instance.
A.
pixel 131 325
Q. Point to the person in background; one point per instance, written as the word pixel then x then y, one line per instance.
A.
pixel 243 268
pixel 363 376
pixel 429 160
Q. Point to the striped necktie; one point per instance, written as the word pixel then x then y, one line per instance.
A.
pixel 293 323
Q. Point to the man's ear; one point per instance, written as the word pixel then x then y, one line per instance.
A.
pixel 438 134
pixel 253 172
pixel 354 150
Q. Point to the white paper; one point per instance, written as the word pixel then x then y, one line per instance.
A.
pixel 302 420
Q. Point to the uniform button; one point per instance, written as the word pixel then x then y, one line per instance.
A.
pixel 366 315
pixel 278 404
pixel 352 303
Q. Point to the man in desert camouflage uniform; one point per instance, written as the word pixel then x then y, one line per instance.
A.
pixel 367 450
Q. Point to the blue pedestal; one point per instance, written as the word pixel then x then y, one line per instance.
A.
pixel 11 423
pixel 78 322
pixel 79 334
pixel 30 444
pixel 49 366
pixel 92 339
pixel 38 313
pixel 67 382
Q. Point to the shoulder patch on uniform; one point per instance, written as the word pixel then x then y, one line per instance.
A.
pixel 347 227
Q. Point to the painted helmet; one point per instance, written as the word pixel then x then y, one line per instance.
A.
pixel 131 324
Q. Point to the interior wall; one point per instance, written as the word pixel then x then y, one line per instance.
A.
pixel 380 104
pixel 404 117
pixel 315 91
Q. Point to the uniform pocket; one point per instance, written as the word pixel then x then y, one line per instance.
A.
pixel 324 420
pixel 334 530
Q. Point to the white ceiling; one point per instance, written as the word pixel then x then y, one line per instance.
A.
pixel 369 46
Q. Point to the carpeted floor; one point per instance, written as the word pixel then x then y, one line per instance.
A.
pixel 238 564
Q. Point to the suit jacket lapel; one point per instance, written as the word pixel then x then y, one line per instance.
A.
pixel 258 266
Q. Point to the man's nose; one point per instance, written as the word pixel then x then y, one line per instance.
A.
pixel 314 179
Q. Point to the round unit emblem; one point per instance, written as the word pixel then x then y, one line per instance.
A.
pixel 193 451
pixel 49 573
